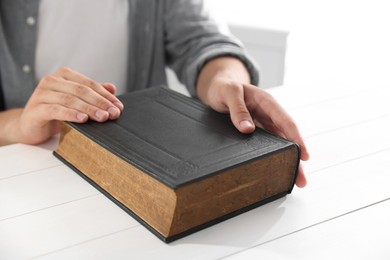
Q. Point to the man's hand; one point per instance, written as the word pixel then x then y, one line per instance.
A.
pixel 223 84
pixel 64 96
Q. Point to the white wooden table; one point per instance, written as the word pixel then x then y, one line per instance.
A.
pixel 48 212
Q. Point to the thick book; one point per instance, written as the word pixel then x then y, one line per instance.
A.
pixel 176 165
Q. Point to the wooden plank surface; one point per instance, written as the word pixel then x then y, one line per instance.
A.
pixel 38 190
pixel 362 234
pixel 51 213
pixel 61 226
pixel 28 159
pixel 332 193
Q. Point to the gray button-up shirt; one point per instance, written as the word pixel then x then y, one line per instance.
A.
pixel 174 33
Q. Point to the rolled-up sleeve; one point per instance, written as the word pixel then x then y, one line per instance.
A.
pixel 193 37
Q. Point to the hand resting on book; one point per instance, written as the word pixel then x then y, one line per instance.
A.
pixel 223 84
pixel 64 96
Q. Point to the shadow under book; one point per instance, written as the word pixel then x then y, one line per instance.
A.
pixel 177 166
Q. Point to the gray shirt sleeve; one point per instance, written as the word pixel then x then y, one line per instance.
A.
pixel 193 38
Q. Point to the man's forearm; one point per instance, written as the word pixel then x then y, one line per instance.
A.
pixel 9 126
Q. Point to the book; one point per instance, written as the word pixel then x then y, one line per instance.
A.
pixel 176 165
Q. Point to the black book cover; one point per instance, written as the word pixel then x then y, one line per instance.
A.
pixel 177 139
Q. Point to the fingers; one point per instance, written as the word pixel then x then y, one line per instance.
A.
pixel 241 118
pixel 110 87
pixel 65 96
pixel 301 180
pixel 287 125
pixel 76 96
pixel 248 106
pixel 291 132
pixel 275 119
pixel 238 97
pixel 105 92
pixel 269 127
pixel 50 111
pixel 74 103
pixel 76 92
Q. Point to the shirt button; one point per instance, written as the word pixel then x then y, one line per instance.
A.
pixel 26 68
pixel 30 21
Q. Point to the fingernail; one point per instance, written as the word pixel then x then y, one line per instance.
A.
pixel 118 104
pixel 114 112
pixel 81 117
pixel 246 124
pixel 100 114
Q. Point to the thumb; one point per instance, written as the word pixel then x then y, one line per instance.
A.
pixel 239 113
